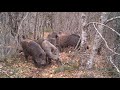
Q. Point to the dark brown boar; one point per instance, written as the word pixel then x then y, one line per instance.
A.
pixel 72 40
pixel 31 48
pixel 51 51
pixel 64 40
pixel 68 41
pixel 60 38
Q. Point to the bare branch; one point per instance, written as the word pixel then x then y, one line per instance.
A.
pixel 114 65
pixel 88 24
pixel 118 17
pixel 19 27
pixel 22 20
pixel 104 40
pixel 77 43
pixel 107 27
pixel 103 25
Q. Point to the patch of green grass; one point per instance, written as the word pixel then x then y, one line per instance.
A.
pixel 62 69
pixel 111 71
pixel 3 75
pixel 68 67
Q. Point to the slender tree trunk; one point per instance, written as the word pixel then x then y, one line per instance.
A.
pixel 35 30
pixel 83 34
pixel 97 40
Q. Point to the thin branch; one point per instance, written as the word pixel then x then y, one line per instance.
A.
pixel 23 20
pixel 88 24
pixel 118 17
pixel 21 23
pixel 104 40
pixel 8 51
pixel 114 65
pixel 109 49
pixel 103 25
pixel 77 43
pixel 107 27
pixel 20 27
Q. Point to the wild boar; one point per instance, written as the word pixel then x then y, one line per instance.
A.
pixel 31 48
pixel 51 51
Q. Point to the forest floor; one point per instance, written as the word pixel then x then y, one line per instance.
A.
pixel 20 68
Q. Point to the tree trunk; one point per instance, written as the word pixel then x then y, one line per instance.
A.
pixel 97 40
pixel 35 30
pixel 83 34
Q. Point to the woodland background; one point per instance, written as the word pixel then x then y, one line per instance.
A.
pixel 35 24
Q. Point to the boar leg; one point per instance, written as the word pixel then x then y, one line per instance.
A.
pixel 48 60
pixel 58 62
pixel 26 55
